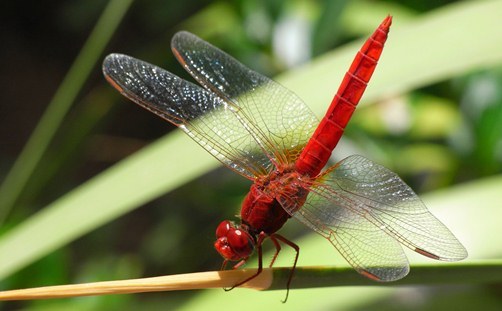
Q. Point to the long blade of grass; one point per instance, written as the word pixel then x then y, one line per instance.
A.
pixel 50 121
pixel 452 40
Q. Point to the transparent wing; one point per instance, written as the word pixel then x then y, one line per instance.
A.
pixel 205 117
pixel 368 249
pixel 279 120
pixel 381 196
pixel 365 210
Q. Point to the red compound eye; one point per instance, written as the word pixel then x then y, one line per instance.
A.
pixel 223 228
pixel 241 242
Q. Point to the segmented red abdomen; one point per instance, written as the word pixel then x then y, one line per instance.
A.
pixel 316 153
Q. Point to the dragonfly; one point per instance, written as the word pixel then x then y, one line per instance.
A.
pixel 267 134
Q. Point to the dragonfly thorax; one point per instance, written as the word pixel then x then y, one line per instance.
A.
pixel 263 213
pixel 263 208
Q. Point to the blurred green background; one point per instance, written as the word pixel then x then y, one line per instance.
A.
pixel 80 209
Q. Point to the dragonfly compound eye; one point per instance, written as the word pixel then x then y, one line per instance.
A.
pixel 223 228
pixel 241 242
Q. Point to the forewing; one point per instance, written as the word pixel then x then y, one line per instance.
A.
pixel 205 117
pixel 279 120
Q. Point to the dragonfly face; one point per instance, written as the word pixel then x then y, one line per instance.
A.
pixel 233 243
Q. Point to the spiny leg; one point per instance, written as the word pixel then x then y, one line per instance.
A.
pixel 236 266
pixel 261 237
pixel 274 238
pixel 277 250
pixel 240 263
pixel 224 264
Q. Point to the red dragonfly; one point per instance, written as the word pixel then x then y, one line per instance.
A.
pixel 264 132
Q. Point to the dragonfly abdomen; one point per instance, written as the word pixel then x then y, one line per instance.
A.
pixel 316 153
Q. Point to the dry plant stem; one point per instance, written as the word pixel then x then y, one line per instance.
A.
pixel 483 272
pixel 201 280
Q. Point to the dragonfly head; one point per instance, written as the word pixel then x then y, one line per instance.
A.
pixel 233 243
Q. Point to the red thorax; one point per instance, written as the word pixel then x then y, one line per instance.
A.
pixel 265 209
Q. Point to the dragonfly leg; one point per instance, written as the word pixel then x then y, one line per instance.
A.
pixel 236 266
pixel 224 265
pixel 277 250
pixel 275 237
pixel 240 263
pixel 261 237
